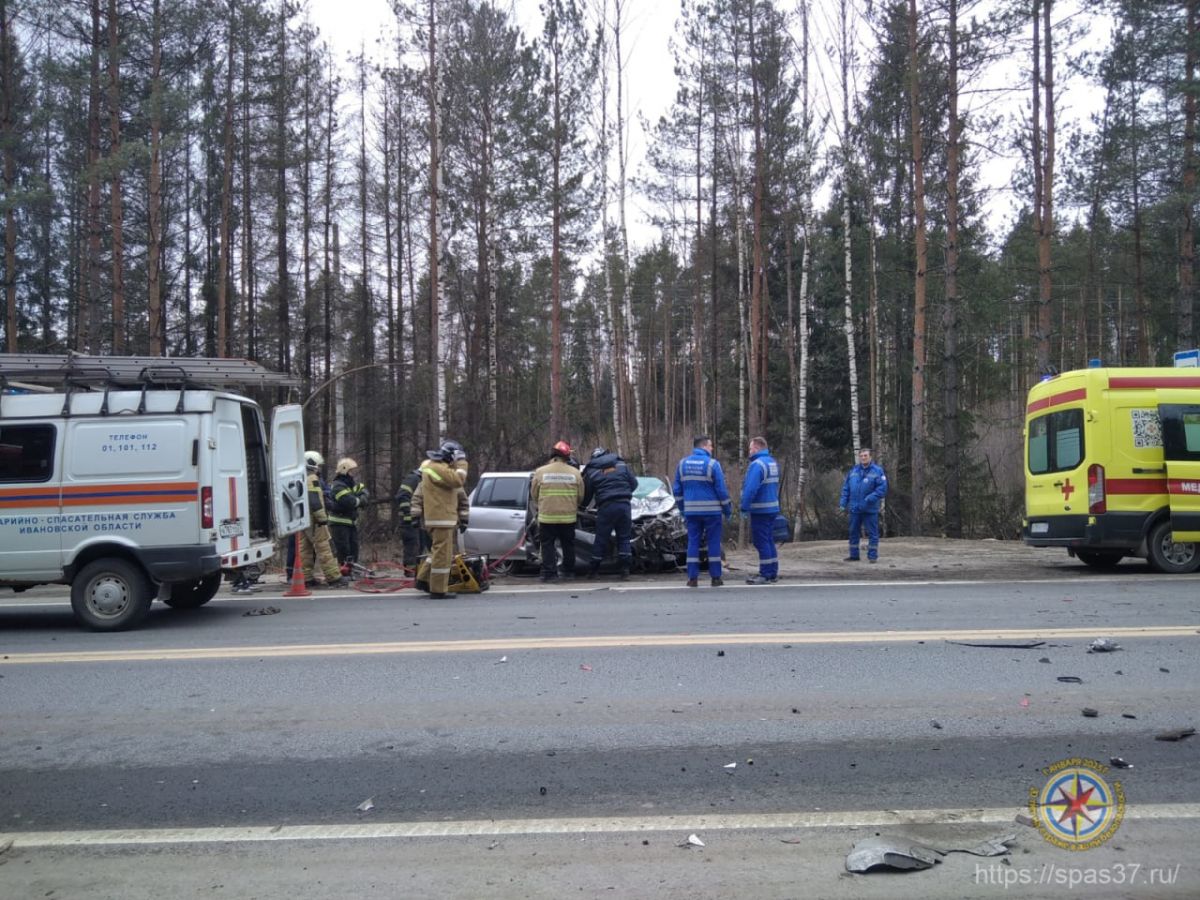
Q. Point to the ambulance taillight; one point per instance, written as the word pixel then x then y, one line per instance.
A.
pixel 206 507
pixel 1097 501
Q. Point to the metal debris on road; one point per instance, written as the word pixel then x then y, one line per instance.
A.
pixel 262 611
pixel 692 841
pixel 1117 763
pixel 1103 645
pixel 885 852
pixel 367 805
pixel 1090 713
pixel 1070 679
pixel 1128 716
pixel 502 659
pixel 1177 734
pixel 731 765
pixel 1161 669
pixel 1002 645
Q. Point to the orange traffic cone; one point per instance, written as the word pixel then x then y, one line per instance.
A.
pixel 297 588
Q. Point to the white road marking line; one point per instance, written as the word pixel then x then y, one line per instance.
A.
pixel 616 825
pixel 591 642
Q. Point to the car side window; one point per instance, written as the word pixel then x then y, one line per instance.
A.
pixel 26 452
pixel 507 493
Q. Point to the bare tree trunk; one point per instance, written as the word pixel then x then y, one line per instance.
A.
pixel 919 325
pixel 438 424
pixel 10 178
pixel 950 410
pixel 326 336
pixel 116 197
pixel 848 327
pixel 226 197
pixel 556 187
pixel 610 314
pixel 154 201
pixel 90 276
pixel 800 374
pixel 282 151
pixel 1044 173
pixel 1187 236
pixel 758 274
pixel 248 326
pixel 701 412
pixel 632 375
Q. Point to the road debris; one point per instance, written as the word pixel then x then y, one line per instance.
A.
pixel 1002 645
pixel 1044 659
pixel 367 805
pixel 584 667
pixel 1090 713
pixel 1117 763
pixel 1103 645
pixel 1177 734
pixel 1070 679
pixel 1022 819
pixel 1128 716
pixel 502 659
pixel 936 724
pixel 888 852
pixel 731 765
pixel 720 653
pixel 1025 703
pixel 692 841
pixel 262 611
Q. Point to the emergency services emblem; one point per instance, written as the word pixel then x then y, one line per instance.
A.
pixel 1077 809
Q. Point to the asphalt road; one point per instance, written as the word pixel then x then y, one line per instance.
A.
pixel 540 742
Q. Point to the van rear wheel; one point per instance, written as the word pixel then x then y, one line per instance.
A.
pixel 1100 559
pixel 1168 555
pixel 111 595
pixel 193 594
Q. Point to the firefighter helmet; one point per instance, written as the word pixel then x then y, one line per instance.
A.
pixel 313 459
pixel 562 448
pixel 599 451
pixel 346 465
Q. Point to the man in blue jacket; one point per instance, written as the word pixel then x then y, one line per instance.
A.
pixel 608 480
pixel 703 499
pixel 865 486
pixel 760 501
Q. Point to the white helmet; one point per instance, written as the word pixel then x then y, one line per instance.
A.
pixel 313 459
pixel 345 465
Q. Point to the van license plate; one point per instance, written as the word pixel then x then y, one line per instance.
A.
pixel 231 529
pixel 1039 528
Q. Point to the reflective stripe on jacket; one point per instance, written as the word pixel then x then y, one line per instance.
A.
pixel 760 490
pixel 556 491
pixel 700 486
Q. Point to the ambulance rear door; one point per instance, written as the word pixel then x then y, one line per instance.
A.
pixel 1179 412
pixel 290 507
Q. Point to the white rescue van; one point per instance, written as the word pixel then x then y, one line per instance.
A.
pixel 135 477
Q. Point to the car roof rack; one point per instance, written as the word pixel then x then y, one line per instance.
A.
pixel 75 370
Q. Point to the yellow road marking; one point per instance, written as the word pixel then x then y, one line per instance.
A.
pixel 599 641
pixel 614 825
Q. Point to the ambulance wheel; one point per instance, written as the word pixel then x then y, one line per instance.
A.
pixel 111 595
pixel 1100 559
pixel 192 594
pixel 1166 555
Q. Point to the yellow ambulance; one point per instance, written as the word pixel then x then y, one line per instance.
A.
pixel 1112 466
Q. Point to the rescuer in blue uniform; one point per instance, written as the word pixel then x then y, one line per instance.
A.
pixel 760 501
pixel 703 499
pixel 608 480
pixel 865 487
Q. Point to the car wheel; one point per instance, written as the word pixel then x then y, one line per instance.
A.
pixel 111 595
pixel 193 594
pixel 503 567
pixel 1169 555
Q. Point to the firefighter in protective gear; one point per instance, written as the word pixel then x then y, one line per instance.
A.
pixel 416 541
pixel 557 490
pixel 349 495
pixel 760 501
pixel 441 503
pixel 315 546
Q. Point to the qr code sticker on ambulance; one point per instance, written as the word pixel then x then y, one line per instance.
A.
pixel 1147 428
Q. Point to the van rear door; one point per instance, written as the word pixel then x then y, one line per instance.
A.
pixel 290 507
pixel 1179 412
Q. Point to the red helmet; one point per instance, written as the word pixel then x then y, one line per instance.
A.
pixel 562 448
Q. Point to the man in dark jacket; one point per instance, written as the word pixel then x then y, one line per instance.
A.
pixel 608 480
pixel 348 495
pixel 865 487
pixel 415 539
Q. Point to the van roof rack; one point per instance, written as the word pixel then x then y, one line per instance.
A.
pixel 78 370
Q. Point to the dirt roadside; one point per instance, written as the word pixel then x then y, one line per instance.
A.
pixel 923 559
